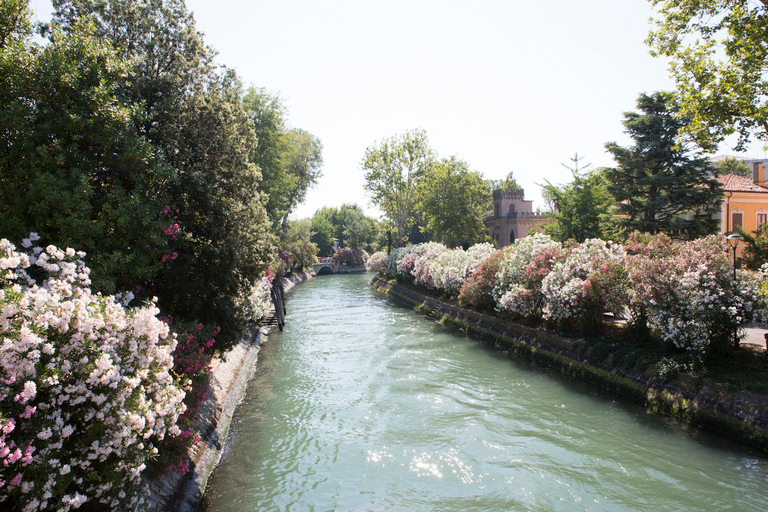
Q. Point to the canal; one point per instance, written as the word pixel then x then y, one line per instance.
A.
pixel 362 405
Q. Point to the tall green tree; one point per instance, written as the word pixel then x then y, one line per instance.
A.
pixel 72 167
pixel 323 232
pixel 718 52
pixel 194 120
pixel 580 209
pixel 393 170
pixel 454 202
pixel 290 161
pixel 302 160
pixel 298 246
pixel 660 183
pixel 268 115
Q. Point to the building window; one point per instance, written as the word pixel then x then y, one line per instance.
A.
pixel 737 221
pixel 511 208
pixel 496 210
pixel 762 218
pixel 511 236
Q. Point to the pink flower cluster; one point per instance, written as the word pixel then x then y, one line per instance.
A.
pixel 86 389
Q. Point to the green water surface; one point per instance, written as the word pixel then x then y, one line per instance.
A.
pixel 362 405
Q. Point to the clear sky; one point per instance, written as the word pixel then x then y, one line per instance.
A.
pixel 505 85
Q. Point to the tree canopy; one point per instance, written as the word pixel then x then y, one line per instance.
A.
pixel 453 201
pixel 191 115
pixel 660 184
pixel 393 170
pixel 730 165
pixel 718 51
pixel 580 209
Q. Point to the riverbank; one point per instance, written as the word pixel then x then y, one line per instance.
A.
pixel 172 492
pixel 738 415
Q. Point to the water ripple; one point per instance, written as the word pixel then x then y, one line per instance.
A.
pixel 361 405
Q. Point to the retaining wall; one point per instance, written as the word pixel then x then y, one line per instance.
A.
pixel 738 415
pixel 172 492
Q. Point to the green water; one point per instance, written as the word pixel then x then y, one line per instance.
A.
pixel 361 405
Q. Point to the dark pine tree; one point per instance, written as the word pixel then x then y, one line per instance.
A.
pixel 662 184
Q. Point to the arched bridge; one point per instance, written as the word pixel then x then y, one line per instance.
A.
pixel 325 266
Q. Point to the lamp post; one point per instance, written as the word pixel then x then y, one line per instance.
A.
pixel 733 241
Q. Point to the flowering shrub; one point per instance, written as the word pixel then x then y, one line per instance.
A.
pixel 476 290
pixel 589 282
pixel 475 256
pixel 689 295
pixel 447 271
pixel 377 262
pixel 426 255
pixel 516 258
pixel 348 257
pixel 260 299
pixel 191 367
pixel 395 261
pixel 525 298
pixel 85 386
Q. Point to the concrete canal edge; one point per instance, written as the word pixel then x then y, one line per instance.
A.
pixel 737 415
pixel 172 492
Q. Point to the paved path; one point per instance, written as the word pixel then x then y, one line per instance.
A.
pixel 755 335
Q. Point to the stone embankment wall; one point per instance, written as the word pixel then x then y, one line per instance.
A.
pixel 741 416
pixel 172 492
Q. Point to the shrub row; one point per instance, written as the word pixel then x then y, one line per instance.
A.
pixel 679 293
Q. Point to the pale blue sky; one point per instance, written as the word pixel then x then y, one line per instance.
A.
pixel 504 85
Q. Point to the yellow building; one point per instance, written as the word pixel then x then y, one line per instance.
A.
pixel 745 200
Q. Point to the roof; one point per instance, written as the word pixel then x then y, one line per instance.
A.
pixel 735 183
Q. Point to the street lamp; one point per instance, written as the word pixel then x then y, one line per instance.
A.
pixel 733 241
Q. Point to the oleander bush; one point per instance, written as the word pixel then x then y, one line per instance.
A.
pixel 689 294
pixel 377 262
pixel 476 292
pixel 680 294
pixel 86 386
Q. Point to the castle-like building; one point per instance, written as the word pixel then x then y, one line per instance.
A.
pixel 513 216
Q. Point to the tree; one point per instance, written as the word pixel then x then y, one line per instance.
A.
pixel 580 208
pixel 194 120
pixel 454 201
pixel 661 184
pixel 267 113
pixel 508 183
pixel 718 51
pixel 348 225
pixel 298 246
pixel 359 230
pixel 302 161
pixel 72 167
pixel 731 165
pixel 322 235
pixel 393 170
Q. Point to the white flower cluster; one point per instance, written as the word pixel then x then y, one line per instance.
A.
pixel 447 271
pixel 260 299
pixel 377 262
pixel 426 254
pixel 507 290
pixel 85 386
pixel 476 255
pixel 569 288
pixel 691 299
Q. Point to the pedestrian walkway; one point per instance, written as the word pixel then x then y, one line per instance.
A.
pixel 755 335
